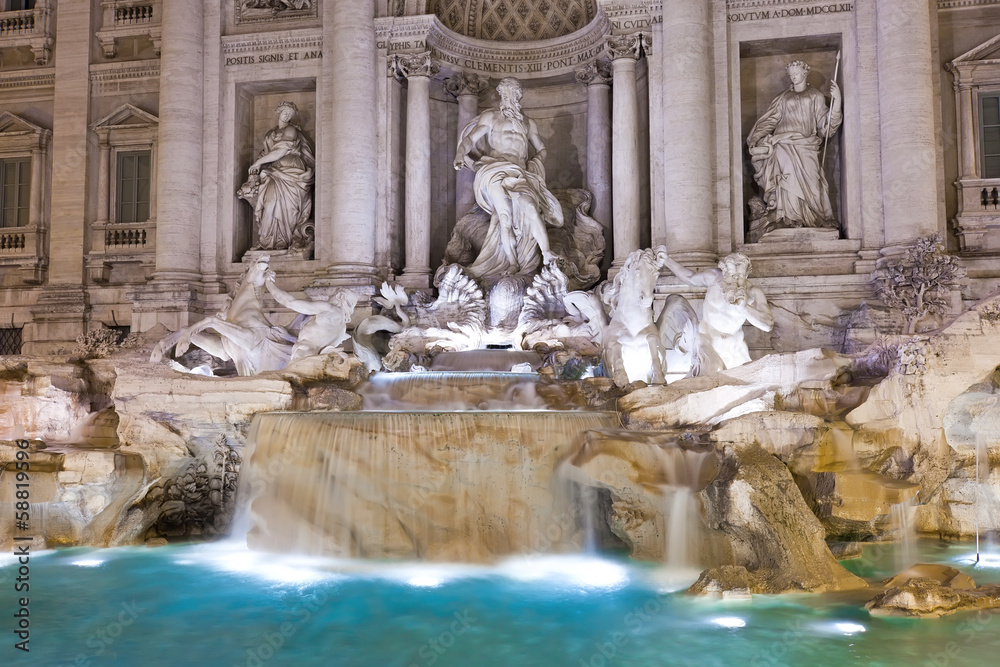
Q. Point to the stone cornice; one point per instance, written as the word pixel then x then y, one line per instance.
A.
pixel 237 45
pixel 128 76
pixel 28 79
pixel 963 4
pixel 395 32
pixel 752 4
pixel 527 60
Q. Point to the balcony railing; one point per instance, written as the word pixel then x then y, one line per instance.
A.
pixel 23 250
pixel 17 23
pixel 129 18
pixel 29 27
pixel 120 244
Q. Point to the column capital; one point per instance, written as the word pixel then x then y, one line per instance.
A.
pixel 594 73
pixel 625 46
pixel 466 83
pixel 417 64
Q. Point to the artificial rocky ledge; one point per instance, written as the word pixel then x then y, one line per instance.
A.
pixel 930 591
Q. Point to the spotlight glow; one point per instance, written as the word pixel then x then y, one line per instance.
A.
pixel 424 581
pixel 731 622
pixel 991 560
pixel 586 572
pixel 849 628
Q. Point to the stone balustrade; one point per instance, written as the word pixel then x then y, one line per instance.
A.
pixel 23 250
pixel 29 27
pixel 130 18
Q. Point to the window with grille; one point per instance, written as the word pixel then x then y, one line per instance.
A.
pixel 17 5
pixel 15 191
pixel 133 186
pixel 10 341
pixel 989 132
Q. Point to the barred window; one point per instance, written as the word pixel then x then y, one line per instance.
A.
pixel 17 5
pixel 10 341
pixel 133 186
pixel 15 191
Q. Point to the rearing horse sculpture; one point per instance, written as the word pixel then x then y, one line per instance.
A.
pixel 241 332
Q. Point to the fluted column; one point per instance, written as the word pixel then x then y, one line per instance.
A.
pixel 967 148
pixel 345 223
pixel 60 313
pixel 418 70
pixel 906 95
pixel 624 51
pixel 104 181
pixel 686 121
pixel 597 77
pixel 466 88
pixel 37 194
pixel 180 135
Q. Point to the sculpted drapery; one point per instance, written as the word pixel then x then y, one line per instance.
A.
pixel 785 149
pixel 280 186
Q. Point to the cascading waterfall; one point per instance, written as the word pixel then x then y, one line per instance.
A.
pixel 438 485
pixel 682 516
pixel 905 532
pixel 452 391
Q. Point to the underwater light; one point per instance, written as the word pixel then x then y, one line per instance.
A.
pixel 731 622
pixel 985 560
pixel 88 562
pixel 424 581
pixel 578 570
pixel 849 628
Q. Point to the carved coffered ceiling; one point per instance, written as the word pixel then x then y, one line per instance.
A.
pixel 514 20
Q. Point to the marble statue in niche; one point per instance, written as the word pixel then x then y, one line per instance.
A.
pixel 280 187
pixel 510 187
pixel 786 149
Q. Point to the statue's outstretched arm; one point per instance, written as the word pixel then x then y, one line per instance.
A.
pixel 704 278
pixel 298 305
pixel 757 310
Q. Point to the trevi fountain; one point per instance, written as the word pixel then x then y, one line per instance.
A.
pixel 571 443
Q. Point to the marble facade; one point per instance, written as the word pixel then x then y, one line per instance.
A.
pixel 647 104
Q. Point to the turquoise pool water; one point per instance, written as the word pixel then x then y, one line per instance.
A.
pixel 223 606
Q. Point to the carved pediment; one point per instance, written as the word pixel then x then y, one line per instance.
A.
pixel 979 66
pixel 127 116
pixel 988 50
pixel 14 125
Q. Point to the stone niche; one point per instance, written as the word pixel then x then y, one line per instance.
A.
pixel 255 117
pixel 558 105
pixel 762 78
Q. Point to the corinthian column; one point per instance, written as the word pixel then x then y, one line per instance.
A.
pixel 686 122
pixel 624 51
pixel 178 172
pixel 906 92
pixel 347 178
pixel 172 297
pixel 466 88
pixel 418 70
pixel 597 77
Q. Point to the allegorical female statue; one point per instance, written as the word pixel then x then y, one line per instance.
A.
pixel 785 148
pixel 280 186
